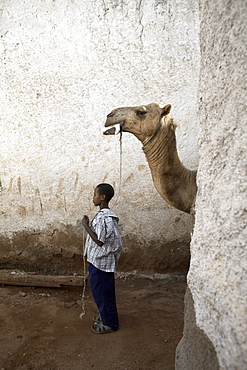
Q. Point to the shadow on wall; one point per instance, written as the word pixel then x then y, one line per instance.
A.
pixel 195 349
pixel 58 250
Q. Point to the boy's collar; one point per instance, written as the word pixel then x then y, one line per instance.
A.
pixel 103 210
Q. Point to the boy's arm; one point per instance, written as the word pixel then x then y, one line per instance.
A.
pixel 85 223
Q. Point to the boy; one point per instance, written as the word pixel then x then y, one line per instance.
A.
pixel 103 248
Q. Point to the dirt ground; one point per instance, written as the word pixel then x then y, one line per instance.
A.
pixel 41 329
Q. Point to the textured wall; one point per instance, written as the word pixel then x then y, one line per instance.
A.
pixel 64 66
pixel 218 269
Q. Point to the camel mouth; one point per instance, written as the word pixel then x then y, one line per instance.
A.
pixel 114 130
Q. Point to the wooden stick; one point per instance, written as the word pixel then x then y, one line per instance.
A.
pixel 25 279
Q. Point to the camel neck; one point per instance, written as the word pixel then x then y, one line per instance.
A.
pixel 162 145
pixel 171 179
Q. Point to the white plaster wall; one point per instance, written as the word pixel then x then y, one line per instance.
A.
pixel 65 64
pixel 218 270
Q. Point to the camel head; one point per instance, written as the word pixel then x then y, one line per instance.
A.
pixel 143 121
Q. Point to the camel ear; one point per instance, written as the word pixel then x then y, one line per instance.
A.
pixel 166 110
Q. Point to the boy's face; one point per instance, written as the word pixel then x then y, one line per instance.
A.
pixel 97 198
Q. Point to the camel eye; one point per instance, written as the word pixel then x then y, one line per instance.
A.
pixel 140 113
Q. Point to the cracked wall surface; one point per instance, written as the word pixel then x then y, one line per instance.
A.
pixel 64 66
pixel 217 277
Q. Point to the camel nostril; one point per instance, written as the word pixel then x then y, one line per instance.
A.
pixel 110 114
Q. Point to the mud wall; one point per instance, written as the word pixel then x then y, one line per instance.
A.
pixel 64 66
pixel 216 320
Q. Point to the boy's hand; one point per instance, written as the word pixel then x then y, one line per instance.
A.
pixel 85 221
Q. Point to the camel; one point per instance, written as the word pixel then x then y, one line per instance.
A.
pixel 154 127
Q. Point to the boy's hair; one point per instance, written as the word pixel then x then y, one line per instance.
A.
pixel 107 190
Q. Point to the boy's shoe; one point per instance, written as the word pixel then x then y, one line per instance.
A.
pixel 97 318
pixel 101 329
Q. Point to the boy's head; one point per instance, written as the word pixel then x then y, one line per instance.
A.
pixel 106 190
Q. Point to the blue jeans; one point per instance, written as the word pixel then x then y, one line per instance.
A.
pixel 103 290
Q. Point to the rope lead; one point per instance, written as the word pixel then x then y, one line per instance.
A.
pixel 84 278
